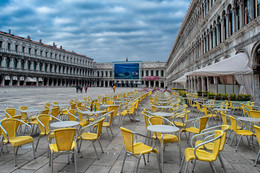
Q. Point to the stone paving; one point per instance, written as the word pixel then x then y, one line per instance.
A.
pixel 111 159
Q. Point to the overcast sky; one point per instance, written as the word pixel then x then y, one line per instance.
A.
pixel 106 30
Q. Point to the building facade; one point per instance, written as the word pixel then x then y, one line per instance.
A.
pixel 212 31
pixel 26 62
pixel 152 75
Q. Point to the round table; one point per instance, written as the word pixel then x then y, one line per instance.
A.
pixel 64 124
pixel 249 119
pixel 163 129
pixel 163 114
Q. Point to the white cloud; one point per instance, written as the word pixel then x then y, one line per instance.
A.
pixel 45 10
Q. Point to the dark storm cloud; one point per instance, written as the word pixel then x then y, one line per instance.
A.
pixel 106 30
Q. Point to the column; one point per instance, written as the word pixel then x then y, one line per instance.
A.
pixel 214 37
pixel 11 81
pixel 223 30
pixel 234 19
pixel 19 64
pixel 3 81
pixel 3 62
pixel 38 67
pixel 202 83
pixel 11 63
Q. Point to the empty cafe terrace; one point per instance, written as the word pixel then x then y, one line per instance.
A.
pixel 131 130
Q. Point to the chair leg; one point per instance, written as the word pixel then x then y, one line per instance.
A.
pixel 258 154
pixel 144 160
pixel 138 162
pixel 100 145
pixel 158 159
pixel 193 167
pixel 37 142
pixel 108 134
pixel 123 162
pixel 238 142
pixel 186 167
pixel 221 162
pixel 213 167
pixel 14 157
pixel 95 149
pixel 182 163
pixel 111 132
pixel 232 139
pixel 33 150
pixel 52 162
pixel 80 145
pixel 75 160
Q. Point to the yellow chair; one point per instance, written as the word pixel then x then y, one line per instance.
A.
pixel 9 127
pixel 9 112
pixel 129 111
pixel 154 108
pixel 108 124
pixel 135 148
pixel 257 133
pixel 54 112
pixel 92 136
pixel 202 125
pixel 82 121
pixel 114 108
pixel 210 146
pixel 202 155
pixel 44 126
pixel 47 106
pixel 183 116
pixel 64 144
pixel 241 133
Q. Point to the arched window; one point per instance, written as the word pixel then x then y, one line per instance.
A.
pixel 162 73
pixel 157 73
pixel 247 12
pixel 258 7
pixel 230 20
pixel 151 72
pixel 29 65
pixel 22 64
pixel 147 73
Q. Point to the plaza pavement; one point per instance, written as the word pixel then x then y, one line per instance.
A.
pixel 111 159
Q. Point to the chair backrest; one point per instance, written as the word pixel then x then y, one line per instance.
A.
pixel 73 112
pixel 47 106
pixel 79 104
pixel 45 111
pixel 131 109
pixel 233 123
pixel 198 106
pixel 24 114
pixel 203 123
pixel 255 114
pixel 64 138
pixel 154 108
pixel 109 102
pixel 156 120
pixel 100 125
pixel 257 132
pixel 128 139
pixel 10 112
pixel 10 125
pixel 113 108
pixel 146 117
pixel 224 118
pixel 216 146
pixel 55 111
pixel 44 121
pixel 79 113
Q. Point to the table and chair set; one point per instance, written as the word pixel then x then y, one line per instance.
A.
pixel 65 126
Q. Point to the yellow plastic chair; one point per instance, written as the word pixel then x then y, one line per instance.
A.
pixel 109 123
pixel 202 125
pixel 135 148
pixel 82 121
pixel 210 146
pixel 114 108
pixel 202 155
pixel 44 126
pixel 240 133
pixel 47 106
pixel 183 116
pixel 9 112
pixel 92 136
pixel 9 127
pixel 64 144
pixel 257 134
pixel 54 112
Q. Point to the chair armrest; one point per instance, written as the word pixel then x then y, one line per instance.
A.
pixel 200 134
pixel 73 116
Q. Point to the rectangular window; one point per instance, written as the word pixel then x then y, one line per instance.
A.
pixel 16 48
pixel 1 44
pixel 35 51
pixel 29 51
pixel 23 48
pixel 9 46
pixel 41 53
pixel 46 54
pixel 258 7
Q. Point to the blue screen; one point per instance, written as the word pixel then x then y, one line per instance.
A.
pixel 126 71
